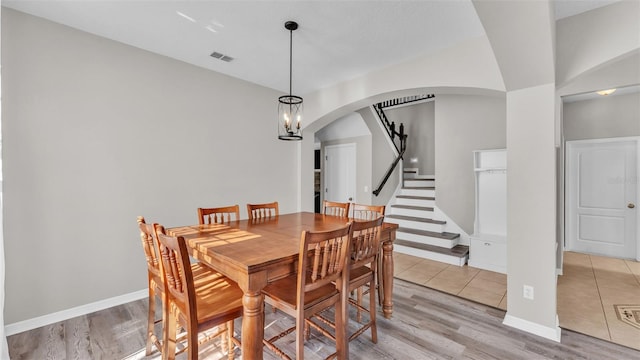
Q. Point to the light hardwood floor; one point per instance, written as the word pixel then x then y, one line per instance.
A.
pixel 426 324
pixel 588 291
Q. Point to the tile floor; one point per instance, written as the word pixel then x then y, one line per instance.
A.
pixel 587 290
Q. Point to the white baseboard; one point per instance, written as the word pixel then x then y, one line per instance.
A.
pixel 40 321
pixel 534 328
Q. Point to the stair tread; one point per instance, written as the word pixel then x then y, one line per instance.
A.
pixel 413 218
pixel 419 187
pixel 412 207
pixel 457 251
pixel 415 197
pixel 442 235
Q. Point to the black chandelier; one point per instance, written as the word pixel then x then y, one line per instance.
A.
pixel 290 106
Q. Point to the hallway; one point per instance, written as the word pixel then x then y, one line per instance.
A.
pixel 597 296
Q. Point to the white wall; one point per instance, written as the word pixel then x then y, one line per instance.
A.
pixel 604 117
pixel 463 124
pixel 614 74
pixel 95 133
pixel 531 209
pixel 588 40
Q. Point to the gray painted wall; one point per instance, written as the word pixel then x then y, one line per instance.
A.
pixel 463 124
pixel 419 125
pixel 604 117
pixel 95 133
pixel 382 155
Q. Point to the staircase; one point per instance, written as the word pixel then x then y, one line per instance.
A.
pixel 419 234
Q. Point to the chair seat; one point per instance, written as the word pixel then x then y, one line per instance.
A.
pixel 281 292
pixel 360 276
pixel 218 298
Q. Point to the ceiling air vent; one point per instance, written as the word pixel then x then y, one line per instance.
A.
pixel 222 57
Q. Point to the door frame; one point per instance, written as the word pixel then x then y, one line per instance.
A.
pixel 569 177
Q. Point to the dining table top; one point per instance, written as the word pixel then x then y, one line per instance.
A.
pixel 279 238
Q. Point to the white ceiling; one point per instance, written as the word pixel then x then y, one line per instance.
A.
pixel 336 41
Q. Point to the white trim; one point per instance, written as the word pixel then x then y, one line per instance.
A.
pixel 40 321
pixel 534 328
pixel 604 140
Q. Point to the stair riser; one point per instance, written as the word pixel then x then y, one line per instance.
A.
pixel 418 183
pixel 445 243
pixel 417 225
pixel 415 202
pixel 415 213
pixel 453 260
pixel 418 192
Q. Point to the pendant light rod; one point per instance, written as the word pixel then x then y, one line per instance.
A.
pixel 290 25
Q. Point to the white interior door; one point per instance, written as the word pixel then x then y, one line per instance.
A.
pixel 602 188
pixel 340 173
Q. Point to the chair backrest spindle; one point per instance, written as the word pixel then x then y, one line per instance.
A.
pixel 218 215
pixel 263 211
pixel 367 212
pixel 334 208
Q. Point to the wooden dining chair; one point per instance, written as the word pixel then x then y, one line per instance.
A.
pixel 371 212
pixel 198 299
pixel 334 208
pixel 316 286
pixel 218 215
pixel 154 281
pixel 365 245
pixel 367 212
pixel 263 211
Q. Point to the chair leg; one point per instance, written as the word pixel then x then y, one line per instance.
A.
pixel 151 319
pixel 224 338
pixel 230 345
pixel 372 313
pixel 192 342
pixel 379 281
pixel 359 302
pixel 170 336
pixel 300 330
pixel 307 331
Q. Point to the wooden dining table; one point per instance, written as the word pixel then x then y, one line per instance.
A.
pixel 255 252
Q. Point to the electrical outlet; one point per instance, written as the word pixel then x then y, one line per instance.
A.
pixel 527 292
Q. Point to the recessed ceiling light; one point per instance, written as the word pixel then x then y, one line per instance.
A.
pixel 210 28
pixel 606 92
pixel 186 16
pixel 213 22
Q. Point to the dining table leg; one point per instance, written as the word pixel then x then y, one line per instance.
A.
pixel 253 319
pixel 387 278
